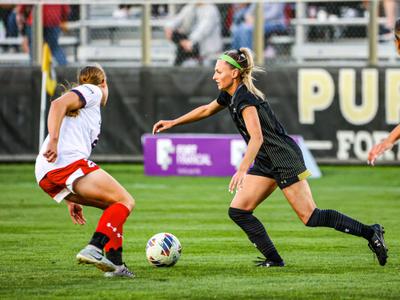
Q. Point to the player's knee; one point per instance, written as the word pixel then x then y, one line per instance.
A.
pixel 128 201
pixel 122 197
pixel 312 219
pixel 237 214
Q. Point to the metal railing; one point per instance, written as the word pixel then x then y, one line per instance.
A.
pixel 297 46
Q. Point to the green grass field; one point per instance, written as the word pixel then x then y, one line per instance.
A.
pixel 39 242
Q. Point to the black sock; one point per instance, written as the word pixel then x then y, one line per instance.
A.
pixel 115 256
pixel 334 219
pixel 255 232
pixel 99 240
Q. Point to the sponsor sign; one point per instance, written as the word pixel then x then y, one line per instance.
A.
pixel 201 154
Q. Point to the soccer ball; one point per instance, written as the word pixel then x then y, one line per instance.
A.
pixel 163 250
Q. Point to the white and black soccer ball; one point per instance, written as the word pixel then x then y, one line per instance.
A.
pixel 163 250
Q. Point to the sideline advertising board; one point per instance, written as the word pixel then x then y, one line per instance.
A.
pixel 201 154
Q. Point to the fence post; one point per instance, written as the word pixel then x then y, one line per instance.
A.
pixel 300 14
pixel 37 34
pixel 258 35
pixel 146 34
pixel 373 34
pixel 83 30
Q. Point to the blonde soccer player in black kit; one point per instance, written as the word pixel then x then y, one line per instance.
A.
pixel 278 161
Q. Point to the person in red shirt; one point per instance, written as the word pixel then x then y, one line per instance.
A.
pixel 54 17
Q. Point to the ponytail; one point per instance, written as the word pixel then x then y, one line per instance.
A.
pixel 247 73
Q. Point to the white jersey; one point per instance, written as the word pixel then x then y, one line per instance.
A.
pixel 78 135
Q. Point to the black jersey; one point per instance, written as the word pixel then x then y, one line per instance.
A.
pixel 279 153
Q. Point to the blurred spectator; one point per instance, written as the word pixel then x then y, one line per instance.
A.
pixel 21 17
pixel 5 12
pixel 54 18
pixel 226 13
pixel 159 10
pixel 7 16
pixel 125 11
pixel 75 13
pixel 244 17
pixel 390 9
pixel 334 10
pixel 122 12
pixel 196 31
pixel 238 23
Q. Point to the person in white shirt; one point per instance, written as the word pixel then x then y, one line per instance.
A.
pixel 64 171
pixel 196 32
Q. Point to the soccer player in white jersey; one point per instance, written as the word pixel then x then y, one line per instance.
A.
pixel 64 172
pixel 378 149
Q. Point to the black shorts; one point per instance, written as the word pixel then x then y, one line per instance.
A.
pixel 283 180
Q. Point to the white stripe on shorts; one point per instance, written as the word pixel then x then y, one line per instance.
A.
pixel 61 195
pixel 78 173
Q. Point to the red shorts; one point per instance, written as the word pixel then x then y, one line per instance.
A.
pixel 58 183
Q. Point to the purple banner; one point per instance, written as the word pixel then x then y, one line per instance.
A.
pixel 192 155
pixel 195 154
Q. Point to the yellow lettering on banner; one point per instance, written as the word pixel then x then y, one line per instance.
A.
pixel 316 92
pixel 366 111
pixel 392 96
pixel 345 140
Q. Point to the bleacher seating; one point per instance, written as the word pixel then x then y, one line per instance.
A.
pixel 111 40
pixel 65 41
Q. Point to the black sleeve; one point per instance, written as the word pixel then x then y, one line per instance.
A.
pixel 224 99
pixel 245 100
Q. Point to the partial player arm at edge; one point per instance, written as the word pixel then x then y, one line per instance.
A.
pixel 58 109
pixel 386 144
pixel 196 114
pixel 394 135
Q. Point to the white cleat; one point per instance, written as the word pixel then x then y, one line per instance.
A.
pixel 121 271
pixel 94 256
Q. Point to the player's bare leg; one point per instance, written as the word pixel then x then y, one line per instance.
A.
pixel 101 190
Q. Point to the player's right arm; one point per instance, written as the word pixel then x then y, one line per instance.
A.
pixel 386 144
pixel 196 114
pixel 58 109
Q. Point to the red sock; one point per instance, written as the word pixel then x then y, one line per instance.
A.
pixel 111 223
pixel 115 243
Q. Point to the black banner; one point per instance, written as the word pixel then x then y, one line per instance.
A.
pixel 340 112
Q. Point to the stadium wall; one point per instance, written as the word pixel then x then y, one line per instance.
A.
pixel 340 112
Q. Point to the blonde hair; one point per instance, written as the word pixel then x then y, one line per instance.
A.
pixel 244 58
pixel 93 74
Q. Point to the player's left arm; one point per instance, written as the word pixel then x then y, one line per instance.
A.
pixel 250 117
pixel 58 109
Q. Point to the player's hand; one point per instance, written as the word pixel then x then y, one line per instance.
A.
pixel 168 33
pixel 51 151
pixel 76 213
pixel 162 125
pixel 237 181
pixel 187 45
pixel 378 150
